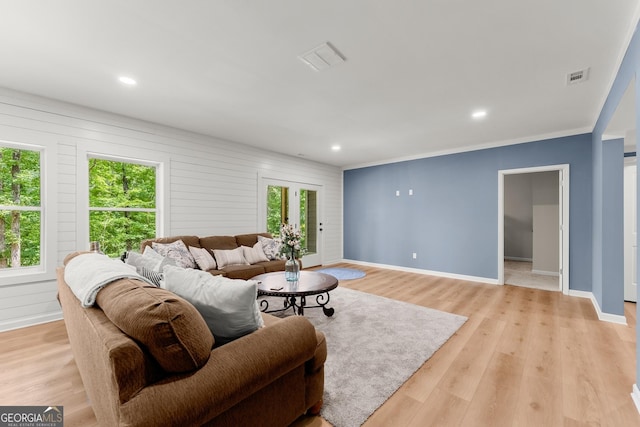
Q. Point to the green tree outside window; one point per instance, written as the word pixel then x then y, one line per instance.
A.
pixel 122 204
pixel 20 208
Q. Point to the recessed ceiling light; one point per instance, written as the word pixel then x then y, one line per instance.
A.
pixel 335 148
pixel 127 81
pixel 479 114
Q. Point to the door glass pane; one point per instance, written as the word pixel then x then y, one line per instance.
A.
pixel 309 220
pixel 277 208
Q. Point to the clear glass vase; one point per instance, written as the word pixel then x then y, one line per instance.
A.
pixel 292 270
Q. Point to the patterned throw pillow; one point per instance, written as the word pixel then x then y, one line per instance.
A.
pixel 203 258
pixel 229 257
pixel 255 254
pixel 154 276
pixel 270 247
pixel 177 251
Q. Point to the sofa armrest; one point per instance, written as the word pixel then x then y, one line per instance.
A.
pixel 233 372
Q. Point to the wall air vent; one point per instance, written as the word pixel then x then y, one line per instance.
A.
pixel 322 57
pixel 578 76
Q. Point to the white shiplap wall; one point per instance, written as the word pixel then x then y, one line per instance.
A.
pixel 212 185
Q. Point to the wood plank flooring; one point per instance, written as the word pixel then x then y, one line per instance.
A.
pixel 525 357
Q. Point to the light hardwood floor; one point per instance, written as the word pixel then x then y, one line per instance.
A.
pixel 525 357
pixel 519 273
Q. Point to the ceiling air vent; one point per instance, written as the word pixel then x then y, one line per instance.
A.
pixel 578 76
pixel 322 57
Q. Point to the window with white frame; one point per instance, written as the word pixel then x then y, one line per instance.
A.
pixel 123 209
pixel 21 208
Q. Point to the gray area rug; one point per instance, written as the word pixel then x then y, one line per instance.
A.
pixel 374 345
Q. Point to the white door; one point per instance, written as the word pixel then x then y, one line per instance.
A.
pixel 299 204
pixel 630 232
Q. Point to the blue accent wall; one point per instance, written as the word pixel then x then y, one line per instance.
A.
pixel 629 69
pixel 451 220
pixel 613 234
pixel 608 282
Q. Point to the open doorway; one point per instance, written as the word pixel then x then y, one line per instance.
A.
pixel 533 227
pixel 532 230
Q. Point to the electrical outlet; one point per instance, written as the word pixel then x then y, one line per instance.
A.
pixel 397 192
pixel 411 192
pixel 415 255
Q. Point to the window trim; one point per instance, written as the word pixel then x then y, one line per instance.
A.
pixel 119 153
pixel 48 198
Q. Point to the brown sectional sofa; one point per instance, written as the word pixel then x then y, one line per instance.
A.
pixel 226 242
pixel 269 377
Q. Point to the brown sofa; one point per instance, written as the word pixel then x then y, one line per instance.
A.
pixel 226 242
pixel 170 375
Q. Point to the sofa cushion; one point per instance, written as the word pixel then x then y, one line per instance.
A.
pixel 218 242
pixel 254 254
pixel 177 251
pixel 172 330
pixel 229 307
pixel 244 272
pixel 225 257
pixel 203 258
pixel 276 265
pixel 249 239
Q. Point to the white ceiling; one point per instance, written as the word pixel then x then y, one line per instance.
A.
pixel 414 70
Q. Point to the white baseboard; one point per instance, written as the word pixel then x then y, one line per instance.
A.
pixel 515 258
pixel 580 294
pixel 30 321
pixel 635 395
pixel 546 273
pixel 605 317
pixel 426 272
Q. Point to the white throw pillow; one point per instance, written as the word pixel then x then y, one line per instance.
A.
pixel 140 261
pixel 226 257
pixel 177 251
pixel 149 252
pixel 149 259
pixel 229 306
pixel 203 258
pixel 270 247
pixel 255 254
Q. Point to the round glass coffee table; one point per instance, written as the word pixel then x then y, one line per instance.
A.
pixel 295 293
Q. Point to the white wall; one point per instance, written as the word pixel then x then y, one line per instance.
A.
pixel 546 223
pixel 212 184
pixel 518 217
pixel 546 249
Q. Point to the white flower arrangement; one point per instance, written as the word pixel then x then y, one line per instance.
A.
pixel 290 241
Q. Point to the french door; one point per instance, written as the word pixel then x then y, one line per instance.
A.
pixel 299 204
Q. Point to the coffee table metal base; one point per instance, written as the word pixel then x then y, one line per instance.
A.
pixel 299 304
pixel 295 294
